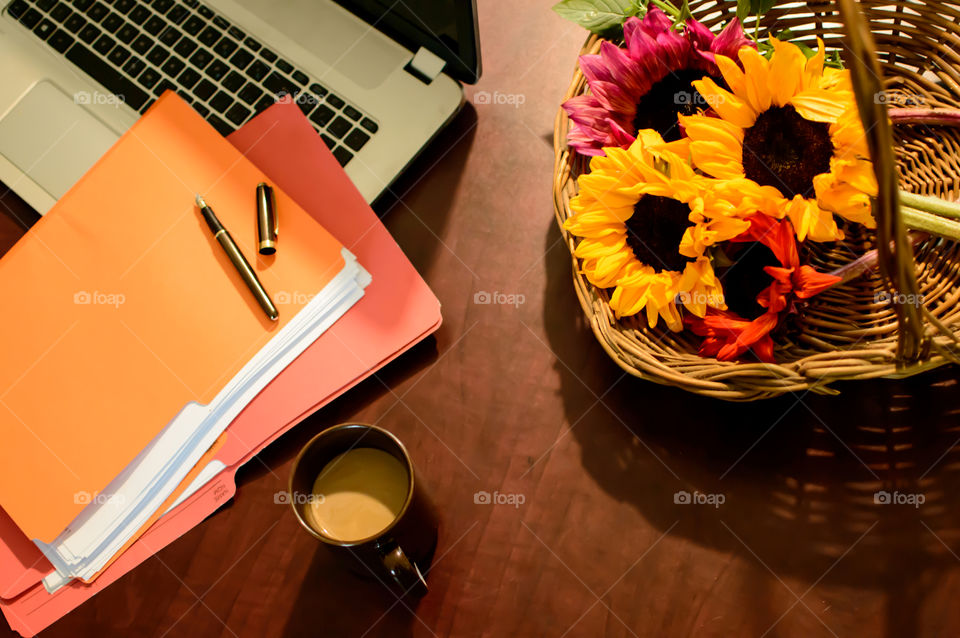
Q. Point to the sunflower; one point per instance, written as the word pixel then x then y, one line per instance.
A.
pixel 789 135
pixel 633 210
pixel 768 259
pixel 646 83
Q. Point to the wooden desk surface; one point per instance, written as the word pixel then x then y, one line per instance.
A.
pixel 520 400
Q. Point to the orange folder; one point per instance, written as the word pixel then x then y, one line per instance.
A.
pixel 124 308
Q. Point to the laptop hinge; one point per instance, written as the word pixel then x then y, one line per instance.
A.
pixel 425 66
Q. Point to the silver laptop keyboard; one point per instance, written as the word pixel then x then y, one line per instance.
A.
pixel 138 49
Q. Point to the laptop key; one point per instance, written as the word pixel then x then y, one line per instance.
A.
pixel 143 109
pixel 356 139
pixel 30 18
pixel 173 66
pixel 343 155
pixel 154 25
pixel 169 36
pixel 322 115
pixel 133 66
pixel 352 113
pixel 222 127
pixel 46 5
pixel 201 109
pixel 279 85
pixel 265 102
pixel 217 70
pixel 89 33
pixel 193 25
pixel 44 29
pixel 157 55
pixel 113 80
pixel 329 141
pixel 233 81
pixel 104 44
pixel 204 90
pixel 369 124
pixel 250 93
pixel 177 14
pixel 17 8
pixel 139 14
pixel 82 5
pixel 124 6
pixel 209 36
pixel 338 127
pixel 252 44
pixel 258 70
pixel 97 12
pixel 186 97
pixel 284 66
pixel 74 23
pixel 201 58
pixel 238 113
pixel 162 6
pixel 60 12
pixel 221 101
pixel 237 33
pixel 185 47
pixel 60 41
pixel 221 22
pixel 268 55
pixel 148 78
pixel 112 23
pixel 305 102
pixel 118 55
pixel 335 100
pixel 241 59
pixel 205 11
pixel 127 33
pixel 318 89
pixel 188 78
pixel 225 47
pixel 300 77
pixel 163 86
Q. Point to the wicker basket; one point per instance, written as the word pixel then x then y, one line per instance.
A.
pixel 846 332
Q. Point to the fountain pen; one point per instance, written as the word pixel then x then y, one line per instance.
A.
pixel 238 260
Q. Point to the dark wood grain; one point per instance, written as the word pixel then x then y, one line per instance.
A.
pixel 520 399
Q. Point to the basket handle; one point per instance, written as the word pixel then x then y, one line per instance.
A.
pixel 894 250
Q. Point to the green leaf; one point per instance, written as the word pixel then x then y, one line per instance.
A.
pixel 743 9
pixel 685 13
pixel 599 16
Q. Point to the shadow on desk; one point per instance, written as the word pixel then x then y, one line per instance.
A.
pixel 799 473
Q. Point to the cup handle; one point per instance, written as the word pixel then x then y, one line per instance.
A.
pixel 402 570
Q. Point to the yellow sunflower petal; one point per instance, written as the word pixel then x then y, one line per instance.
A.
pixel 757 78
pixel 811 221
pixel 730 107
pixel 813 69
pixel 732 74
pixel 818 105
pixel 786 71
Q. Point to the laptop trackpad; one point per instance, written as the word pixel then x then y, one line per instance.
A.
pixel 51 139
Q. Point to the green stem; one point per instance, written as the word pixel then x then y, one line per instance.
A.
pixel 933 205
pixel 668 7
pixel 933 224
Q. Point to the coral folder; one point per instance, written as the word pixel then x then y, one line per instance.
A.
pixel 397 311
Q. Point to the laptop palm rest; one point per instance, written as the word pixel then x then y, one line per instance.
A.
pixel 52 139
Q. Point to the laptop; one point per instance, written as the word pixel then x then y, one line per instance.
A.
pixel 376 78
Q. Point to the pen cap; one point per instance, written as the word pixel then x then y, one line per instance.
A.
pixel 266 220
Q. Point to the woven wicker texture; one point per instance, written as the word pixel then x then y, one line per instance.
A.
pixel 849 331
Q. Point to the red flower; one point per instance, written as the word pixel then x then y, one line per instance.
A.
pixel 728 336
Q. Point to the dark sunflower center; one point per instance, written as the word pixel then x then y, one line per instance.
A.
pixel 655 229
pixel 674 94
pixel 785 151
pixel 745 279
